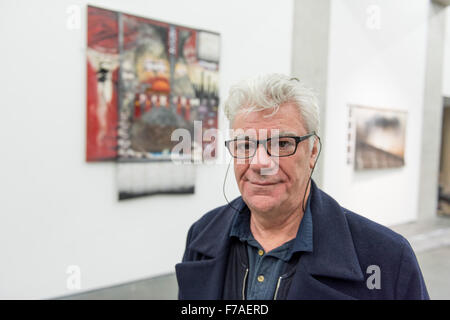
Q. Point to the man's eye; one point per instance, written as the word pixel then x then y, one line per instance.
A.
pixel 284 143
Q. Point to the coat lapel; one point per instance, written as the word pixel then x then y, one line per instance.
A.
pixel 203 279
pixel 305 287
pixel 334 255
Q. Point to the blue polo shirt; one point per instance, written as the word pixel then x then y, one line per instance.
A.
pixel 265 268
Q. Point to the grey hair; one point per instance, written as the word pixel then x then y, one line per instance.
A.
pixel 270 91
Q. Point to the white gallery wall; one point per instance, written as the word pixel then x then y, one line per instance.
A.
pixel 57 210
pixel 377 56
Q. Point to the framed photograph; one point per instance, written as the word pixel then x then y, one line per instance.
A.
pixel 378 137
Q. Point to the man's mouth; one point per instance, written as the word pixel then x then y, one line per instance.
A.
pixel 263 183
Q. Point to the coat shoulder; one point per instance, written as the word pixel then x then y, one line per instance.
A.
pixel 360 225
pixel 377 245
pixel 373 239
pixel 366 234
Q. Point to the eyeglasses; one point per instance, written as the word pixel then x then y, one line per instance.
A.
pixel 244 148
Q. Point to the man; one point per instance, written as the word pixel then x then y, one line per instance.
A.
pixel 284 238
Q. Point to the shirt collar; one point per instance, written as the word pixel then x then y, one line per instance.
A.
pixel 303 242
pixel 241 225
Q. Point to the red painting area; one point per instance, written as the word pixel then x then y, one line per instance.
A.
pixel 102 85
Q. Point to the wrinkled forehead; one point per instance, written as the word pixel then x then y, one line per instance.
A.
pixel 262 133
pixel 285 119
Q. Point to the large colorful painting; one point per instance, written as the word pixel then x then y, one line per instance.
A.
pixel 152 78
pixel 379 137
pixel 165 87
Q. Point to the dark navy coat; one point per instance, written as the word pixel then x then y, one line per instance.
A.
pixel 349 252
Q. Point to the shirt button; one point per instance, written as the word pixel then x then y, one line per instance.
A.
pixel 260 252
pixel 260 278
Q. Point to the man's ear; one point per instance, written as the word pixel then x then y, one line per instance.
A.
pixel 314 153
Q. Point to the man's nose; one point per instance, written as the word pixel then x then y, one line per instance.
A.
pixel 261 157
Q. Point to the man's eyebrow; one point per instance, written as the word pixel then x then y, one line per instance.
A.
pixel 279 134
pixel 286 133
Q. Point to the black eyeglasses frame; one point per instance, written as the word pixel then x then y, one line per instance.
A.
pixel 264 142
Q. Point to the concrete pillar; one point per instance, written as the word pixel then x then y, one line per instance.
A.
pixel 310 55
pixel 432 113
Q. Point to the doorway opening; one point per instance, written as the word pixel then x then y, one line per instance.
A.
pixel 444 168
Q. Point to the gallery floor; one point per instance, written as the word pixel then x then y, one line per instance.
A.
pixel 429 239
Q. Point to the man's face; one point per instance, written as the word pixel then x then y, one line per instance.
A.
pixel 273 184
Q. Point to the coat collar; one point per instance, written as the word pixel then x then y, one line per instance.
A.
pixel 334 252
pixel 213 238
